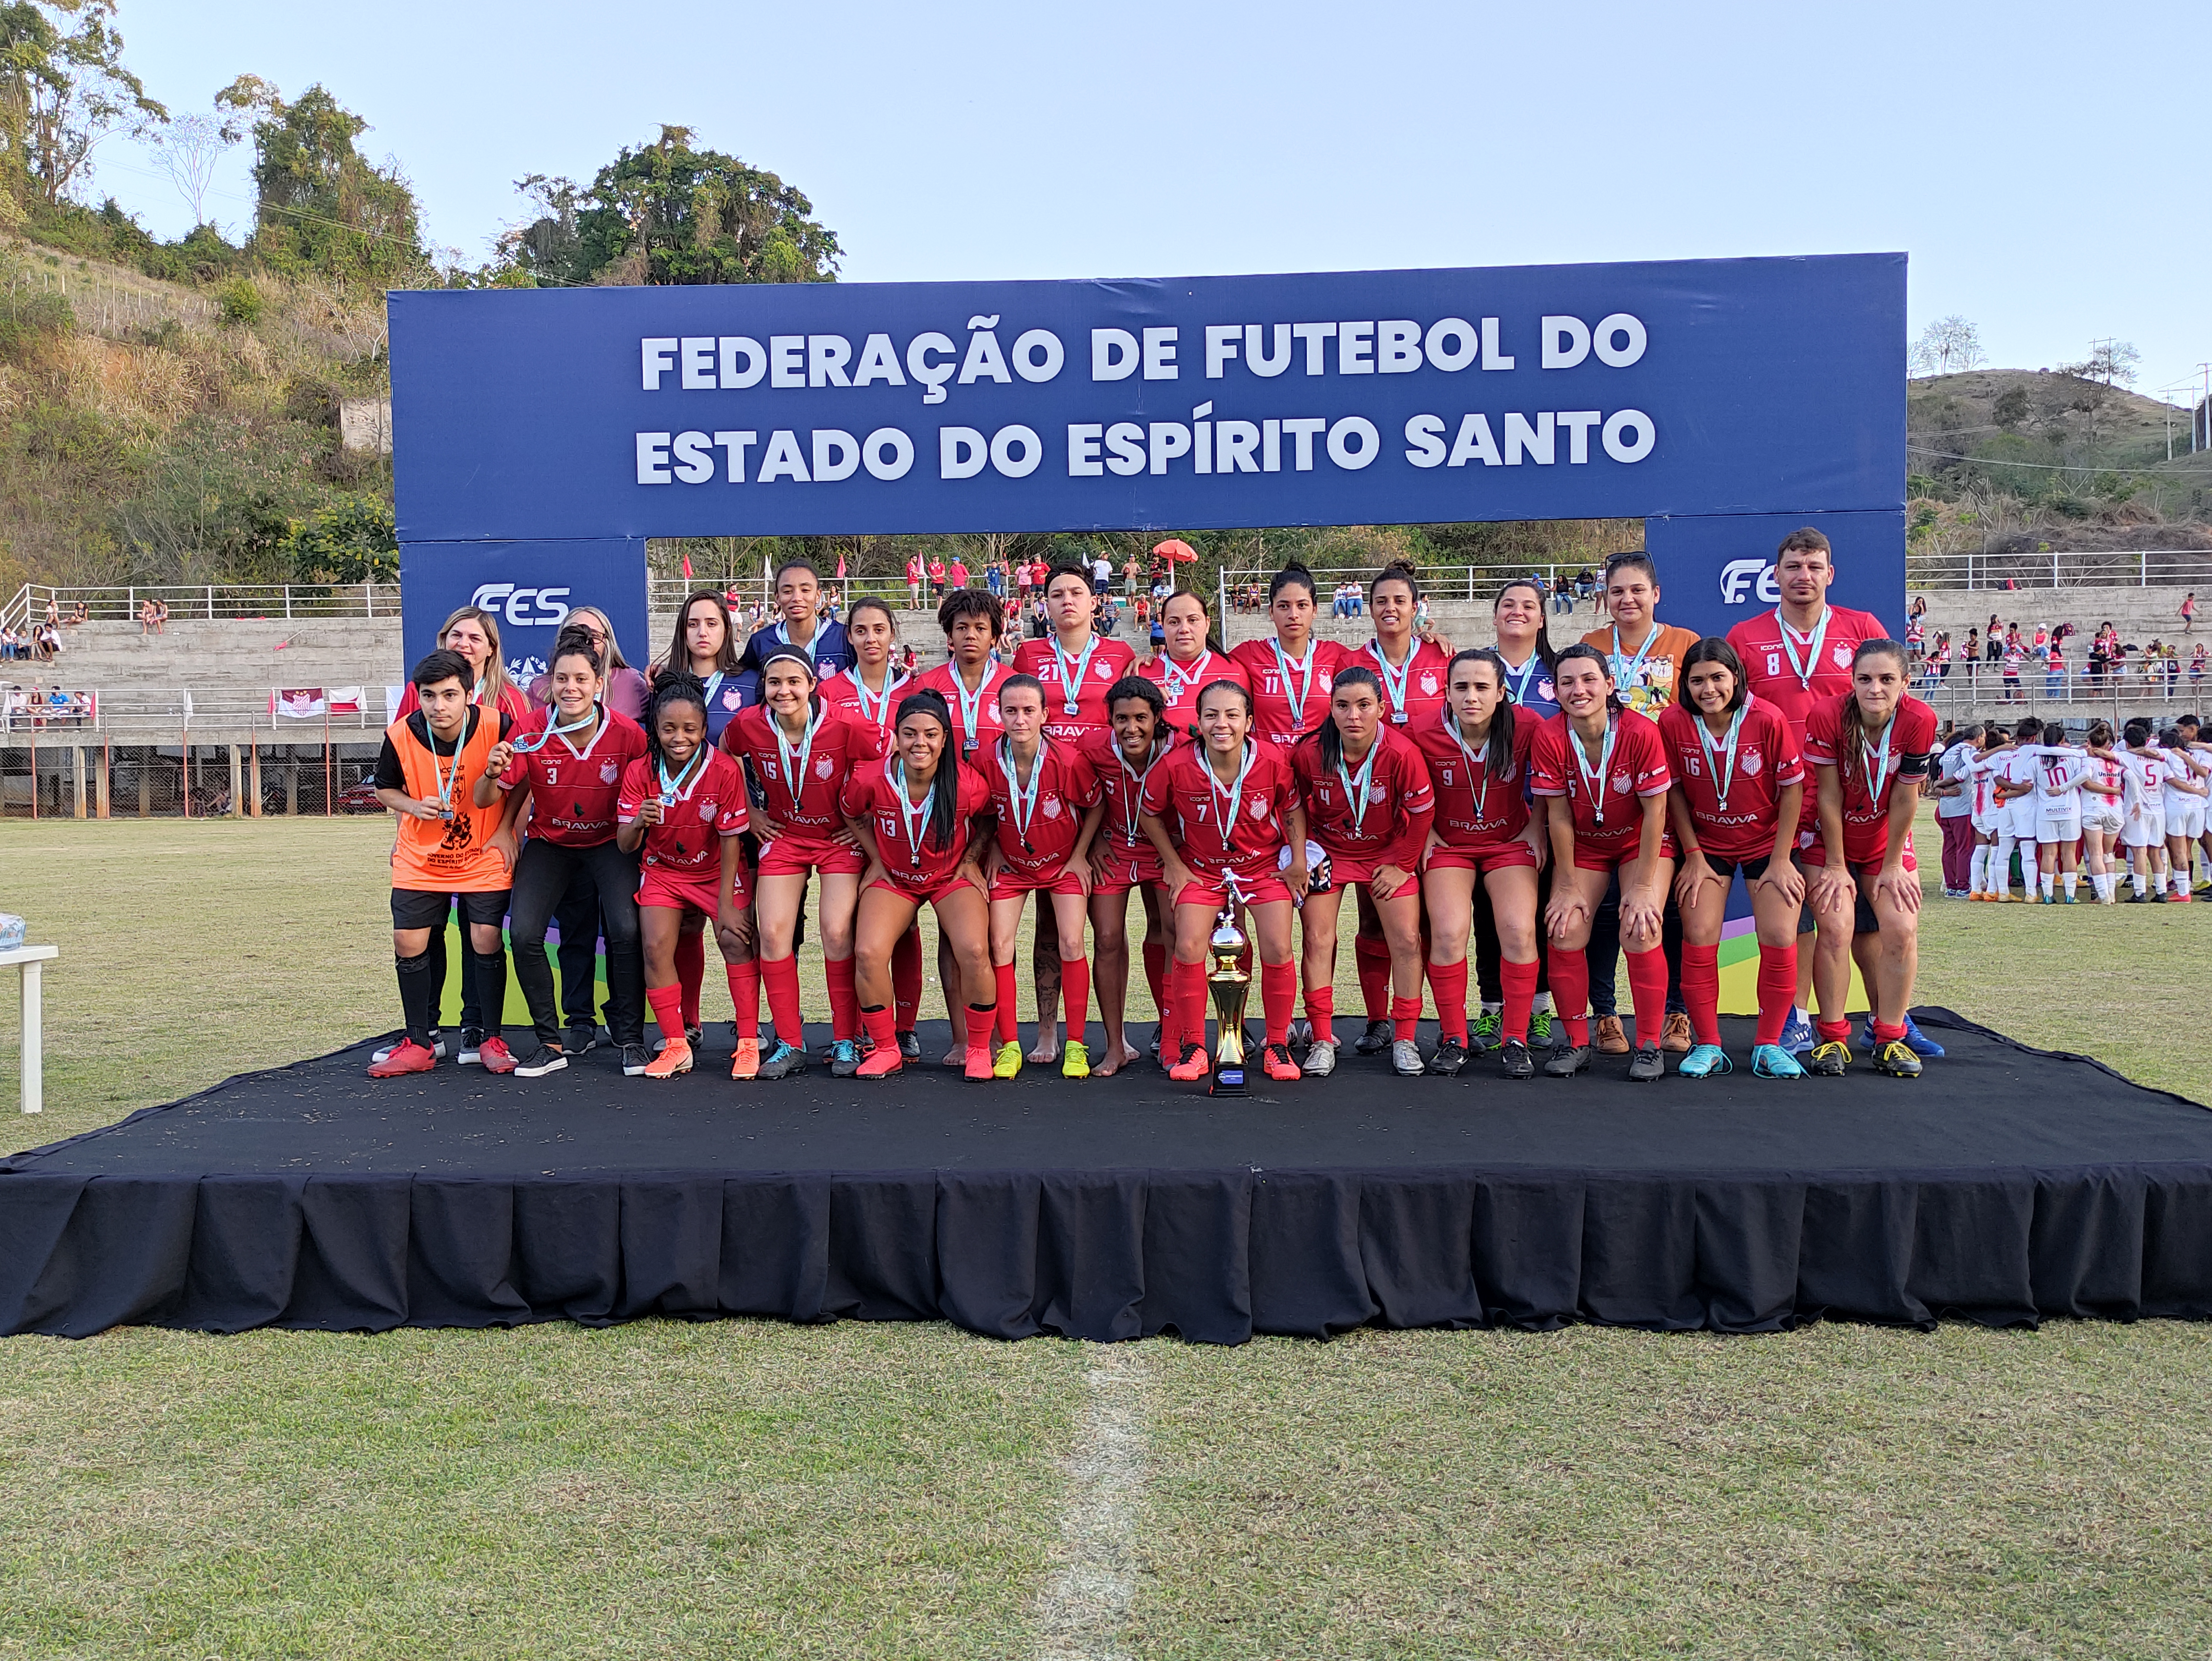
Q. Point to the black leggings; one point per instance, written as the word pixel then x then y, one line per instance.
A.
pixel 543 877
pixel 578 915
pixel 1490 985
pixel 1604 952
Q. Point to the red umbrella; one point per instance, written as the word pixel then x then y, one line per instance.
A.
pixel 1175 550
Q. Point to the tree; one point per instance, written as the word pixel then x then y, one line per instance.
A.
pixel 2010 409
pixel 2111 362
pixel 321 205
pixel 353 540
pixel 1950 345
pixel 62 89
pixel 188 152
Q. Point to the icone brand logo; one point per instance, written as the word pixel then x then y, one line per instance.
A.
pixel 514 604
pixel 1739 577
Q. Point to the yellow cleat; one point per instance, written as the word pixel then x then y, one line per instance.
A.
pixel 1075 1061
pixel 1008 1064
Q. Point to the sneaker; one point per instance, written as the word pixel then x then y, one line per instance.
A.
pixel 1321 1058
pixel 1612 1040
pixel 1771 1060
pixel 1798 1035
pixel 674 1058
pixel 496 1056
pixel 1279 1066
pixel 1540 1029
pixel 1193 1064
pixel 1649 1063
pixel 471 1051
pixel 636 1059
pixel 978 1061
pixel 1677 1035
pixel 403 1057
pixel 782 1061
pixel 1375 1040
pixel 1704 1061
pixel 1896 1058
pixel 1451 1055
pixel 437 1046
pixel 1487 1029
pixel 540 1062
pixel 1830 1060
pixel 582 1038
pixel 1514 1060
pixel 1008 1063
pixel 1159 1029
pixel 882 1061
pixel 844 1059
pixel 1567 1060
pixel 1406 1058
pixel 909 1046
pixel 1075 1060
pixel 746 1060
pixel 1920 1044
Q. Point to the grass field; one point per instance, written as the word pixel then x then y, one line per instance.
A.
pixel 741 1488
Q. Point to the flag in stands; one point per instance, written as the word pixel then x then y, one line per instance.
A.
pixel 299 703
pixel 345 700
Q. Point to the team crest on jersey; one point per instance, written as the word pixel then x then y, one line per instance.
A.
pixel 1050 807
pixel 1377 792
pixel 1259 807
pixel 1842 655
pixel 608 772
pixel 825 768
pixel 731 697
pixel 1621 782
pixel 1428 682
pixel 1104 672
pixel 1751 761
pixel 706 812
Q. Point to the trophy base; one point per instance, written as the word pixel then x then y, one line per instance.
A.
pixel 1228 1080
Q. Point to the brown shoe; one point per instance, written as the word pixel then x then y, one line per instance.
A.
pixel 1610 1038
pixel 1676 1035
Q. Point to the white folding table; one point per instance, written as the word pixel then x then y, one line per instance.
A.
pixel 32 961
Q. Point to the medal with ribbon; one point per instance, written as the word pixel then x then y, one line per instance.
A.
pixel 1295 700
pixel 1227 824
pixel 1723 780
pixel 1517 686
pixel 879 711
pixel 1629 671
pixel 1394 680
pixel 537 740
pixel 1023 804
pixel 1132 806
pixel 1070 685
pixel 1877 758
pixel 795 759
pixel 971 703
pixel 1811 664
pixel 446 778
pixel 914 818
pixel 783 637
pixel 1475 764
pixel 1594 782
pixel 1355 789
pixel 681 784
pixel 1179 682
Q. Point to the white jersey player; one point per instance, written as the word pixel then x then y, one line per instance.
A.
pixel 2185 793
pixel 2103 791
pixel 2143 830
pixel 2060 770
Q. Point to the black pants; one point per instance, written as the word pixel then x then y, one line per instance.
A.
pixel 1490 985
pixel 543 877
pixel 1604 952
pixel 578 915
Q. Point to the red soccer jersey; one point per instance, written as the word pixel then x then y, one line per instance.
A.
pixel 1181 683
pixel 976 724
pixel 840 744
pixel 1609 812
pixel 1124 790
pixel 1767 761
pixel 1074 680
pixel 1769 668
pixel 1036 829
pixel 844 690
pixel 1289 700
pixel 1195 804
pixel 1399 802
pixel 1829 741
pixel 573 793
pixel 910 851
pixel 1414 693
pixel 689 836
pixel 1476 809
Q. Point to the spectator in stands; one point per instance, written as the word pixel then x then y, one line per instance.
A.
pixel 994 579
pixel 1585 586
pixel 1971 654
pixel 1562 594
pixel 1101 572
pixel 54 613
pixel 2188 613
pixel 1993 638
pixel 46 642
pixel 957 573
pixel 2197 670
pixel 145 618
pixel 11 642
pixel 2054 668
pixel 1130 572
pixel 2012 660
pixel 937 576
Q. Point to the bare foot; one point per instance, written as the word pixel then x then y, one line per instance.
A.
pixel 1048 1047
pixel 1117 1057
pixel 956 1056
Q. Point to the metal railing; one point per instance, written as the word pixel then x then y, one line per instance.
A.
pixel 2141 568
pixel 203 602
pixel 1982 686
pixel 665 594
pixel 1236 584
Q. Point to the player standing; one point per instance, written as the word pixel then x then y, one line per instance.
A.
pixel 1190 661
pixel 1122 858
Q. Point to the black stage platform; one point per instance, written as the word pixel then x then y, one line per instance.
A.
pixel 2007 1185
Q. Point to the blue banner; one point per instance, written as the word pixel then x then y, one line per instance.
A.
pixel 530 588
pixel 1715 570
pixel 1746 387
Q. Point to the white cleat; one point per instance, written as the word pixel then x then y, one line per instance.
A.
pixel 1321 1059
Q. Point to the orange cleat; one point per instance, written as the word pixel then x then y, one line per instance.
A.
pixel 407 1057
pixel 675 1058
pixel 745 1062
pixel 979 1063
pixel 496 1056
pixel 1280 1067
pixel 880 1063
pixel 1194 1065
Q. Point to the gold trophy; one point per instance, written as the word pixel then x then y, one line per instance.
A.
pixel 1232 988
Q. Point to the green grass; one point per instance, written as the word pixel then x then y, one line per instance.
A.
pixel 747 1488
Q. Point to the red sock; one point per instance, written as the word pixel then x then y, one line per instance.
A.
pixel 1009 1024
pixel 691 972
pixel 1833 1031
pixel 667 1002
pixel 1570 990
pixel 781 976
pixel 1373 958
pixel 1885 1033
pixel 1075 995
pixel 1701 991
pixel 1518 982
pixel 1777 989
pixel 844 1001
pixel 1405 1017
pixel 1156 975
pixel 1448 984
pixel 1189 999
pixel 1647 988
pixel 906 979
pixel 1279 997
pixel 980 1022
pixel 1320 1010
pixel 745 996
pixel 880 1025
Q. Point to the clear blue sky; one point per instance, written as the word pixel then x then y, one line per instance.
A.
pixel 2043 165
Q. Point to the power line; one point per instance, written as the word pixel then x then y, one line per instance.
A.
pixel 2041 466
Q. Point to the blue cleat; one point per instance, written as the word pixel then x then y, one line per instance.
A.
pixel 1797 1036
pixel 1915 1040
pixel 1771 1060
pixel 1704 1061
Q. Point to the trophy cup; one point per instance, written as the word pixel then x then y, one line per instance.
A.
pixel 1232 988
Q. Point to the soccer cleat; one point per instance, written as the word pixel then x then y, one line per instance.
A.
pixel 1831 1059
pixel 635 1060
pixel 496 1056
pixel 844 1058
pixel 1514 1060
pixel 1158 1027
pixel 1321 1058
pixel 1406 1058
pixel 1375 1040
pixel 582 1038
pixel 746 1060
pixel 1677 1035
pixel 1567 1060
pixel 1488 1028
pixel 978 1061
pixel 1075 1061
pixel 1771 1060
pixel 404 1057
pixel 1540 1029
pixel 1704 1061
pixel 882 1061
pixel 2066 899
pixel 1798 1035
pixel 437 1046
pixel 1279 1066
pixel 909 1046
pixel 674 1058
pixel 1301 1033
pixel 1649 1063
pixel 540 1062
pixel 471 1050
pixel 1896 1058
pixel 1612 1038
pixel 1451 1055
pixel 1193 1065
pixel 782 1061
pixel 1007 1063
pixel 693 1036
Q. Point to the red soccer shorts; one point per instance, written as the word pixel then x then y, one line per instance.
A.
pixel 795 856
pixel 926 892
pixel 699 890
pixel 1491 856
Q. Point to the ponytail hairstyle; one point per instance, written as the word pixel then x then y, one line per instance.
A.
pixel 870 603
pixel 2054 734
pixel 1212 636
pixel 1331 741
pixel 945 788
pixel 1497 750
pixel 1544 652
pixel 2170 739
pixel 1582 649
pixel 1293 574
pixel 2100 734
pixel 572 642
pixel 1398 570
pixel 1713 650
pixel 669 689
